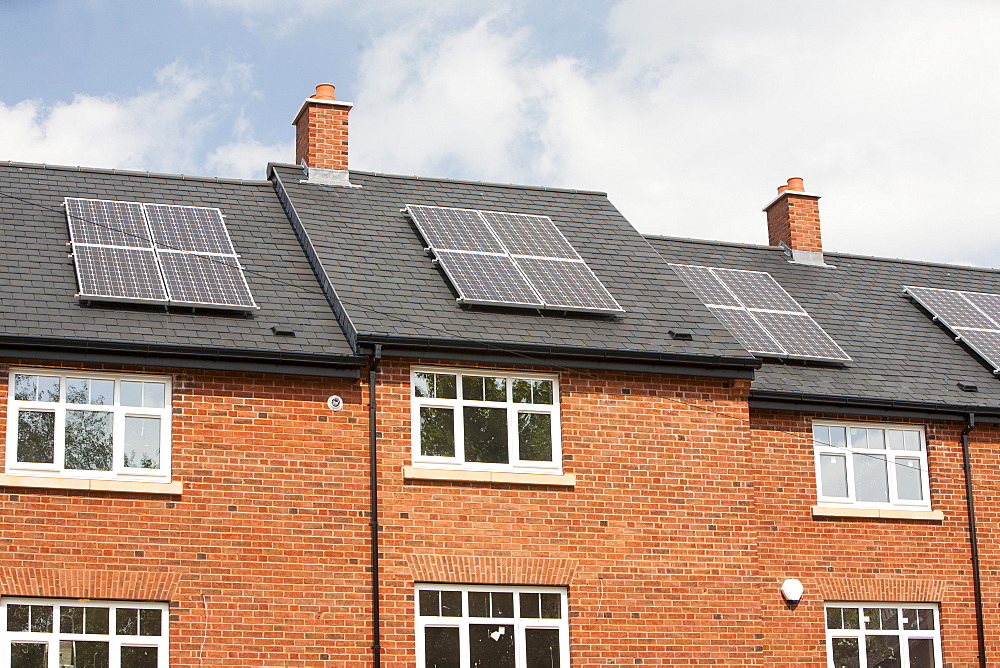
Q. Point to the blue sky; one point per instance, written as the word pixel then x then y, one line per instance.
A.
pixel 689 113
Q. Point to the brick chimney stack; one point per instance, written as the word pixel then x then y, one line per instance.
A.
pixel 321 136
pixel 793 221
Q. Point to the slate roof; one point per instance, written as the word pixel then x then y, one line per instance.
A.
pixel 900 356
pixel 391 291
pixel 38 282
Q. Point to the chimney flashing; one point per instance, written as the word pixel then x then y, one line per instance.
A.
pixel 788 192
pixel 810 258
pixel 328 177
pixel 316 100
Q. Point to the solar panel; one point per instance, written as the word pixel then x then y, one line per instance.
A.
pixel 454 229
pixel 488 278
pixel 524 234
pixel 510 259
pixel 203 280
pixel 756 310
pixel 972 316
pixel 105 223
pixel 189 228
pixel 747 330
pixel 155 253
pixel 109 272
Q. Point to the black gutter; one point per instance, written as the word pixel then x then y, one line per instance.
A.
pixel 373 508
pixel 583 358
pixel 769 400
pixel 973 539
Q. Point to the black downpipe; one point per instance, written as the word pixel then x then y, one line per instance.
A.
pixel 373 508
pixel 973 540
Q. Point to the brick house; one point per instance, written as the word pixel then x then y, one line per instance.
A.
pixel 588 445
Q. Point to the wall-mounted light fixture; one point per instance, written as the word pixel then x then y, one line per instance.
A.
pixel 792 590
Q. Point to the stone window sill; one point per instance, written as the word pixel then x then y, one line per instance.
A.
pixel 879 513
pixel 139 486
pixel 562 480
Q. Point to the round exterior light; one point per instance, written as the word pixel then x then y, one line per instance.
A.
pixel 335 403
pixel 792 590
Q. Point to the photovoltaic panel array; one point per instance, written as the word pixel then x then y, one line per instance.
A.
pixel 764 318
pixel 510 259
pixel 155 254
pixel 974 318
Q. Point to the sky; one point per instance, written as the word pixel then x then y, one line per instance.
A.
pixel 688 113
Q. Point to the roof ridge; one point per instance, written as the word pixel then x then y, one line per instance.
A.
pixel 441 179
pixel 130 172
pixel 857 256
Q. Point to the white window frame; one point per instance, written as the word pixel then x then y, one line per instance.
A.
pixel 115 641
pixel 118 470
pixel 902 634
pixel 891 467
pixel 517 623
pixel 514 464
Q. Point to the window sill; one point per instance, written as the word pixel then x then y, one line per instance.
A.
pixel 879 513
pixel 562 480
pixel 87 484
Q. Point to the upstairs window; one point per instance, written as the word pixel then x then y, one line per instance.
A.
pixel 76 424
pixel 485 420
pixel 871 466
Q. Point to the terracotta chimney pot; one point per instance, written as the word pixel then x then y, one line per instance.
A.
pixel 325 92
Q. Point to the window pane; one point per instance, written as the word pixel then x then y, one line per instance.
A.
pixel 534 435
pixel 909 485
pixel 551 606
pixel 41 619
pixel 142 442
pixel 25 387
pixel 834 618
pixel 851 620
pixel 912 441
pixel 521 391
pixel 503 604
pixel 437 432
pixel 530 606
pixel 445 386
pixel 430 603
pixel 127 622
pixel 541 648
pixel 83 654
pixel 479 604
pixel 149 622
pixel 441 648
pixel 882 651
pixel 36 437
pixel 894 439
pixel 48 388
pixel 131 393
pixel 491 646
pixel 77 391
pixel 451 604
pixel 472 388
pixel 846 653
pixel 495 389
pixel 88 440
pixel 837 437
pixel 833 474
pixel 859 437
pixel 876 439
pixel 872 619
pixel 486 435
pixel 139 657
pixel 423 384
pixel 870 478
pixel 153 395
pixel 96 621
pixel 890 619
pixel 17 618
pixel 921 653
pixel 926 618
pixel 102 392
pixel 70 619
pixel 29 655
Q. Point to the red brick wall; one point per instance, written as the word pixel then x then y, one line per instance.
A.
pixel 794 221
pixel 863 559
pixel 321 136
pixel 270 534
pixel 655 541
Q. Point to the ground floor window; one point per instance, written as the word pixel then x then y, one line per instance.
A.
pixel 58 633
pixel 475 626
pixel 883 635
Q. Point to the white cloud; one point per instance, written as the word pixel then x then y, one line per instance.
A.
pixel 707 107
pixel 167 128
